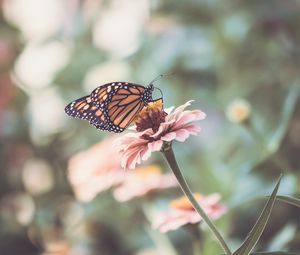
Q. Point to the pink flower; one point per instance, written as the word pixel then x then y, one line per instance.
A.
pixel 95 170
pixel 154 127
pixel 142 181
pixel 181 212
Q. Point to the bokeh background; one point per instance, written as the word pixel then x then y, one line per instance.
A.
pixel 239 61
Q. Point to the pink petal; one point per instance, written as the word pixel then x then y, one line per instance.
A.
pixel 193 129
pixel 95 170
pixel 136 150
pixel 163 128
pixel 178 111
pixel 131 153
pixel 182 135
pixel 175 218
pixel 132 160
pixel 182 107
pixel 134 185
pixel 189 116
pixel 168 180
pixel 169 137
pixel 148 131
pixel 130 157
pixel 146 153
pixel 155 146
pixel 169 110
pixel 211 199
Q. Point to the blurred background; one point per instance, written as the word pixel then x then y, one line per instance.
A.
pixel 238 60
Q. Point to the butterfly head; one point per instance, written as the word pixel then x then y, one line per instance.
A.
pixel 151 87
pixel 147 95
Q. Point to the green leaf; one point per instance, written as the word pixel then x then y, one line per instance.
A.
pixel 259 226
pixel 285 117
pixel 289 200
pixel 274 253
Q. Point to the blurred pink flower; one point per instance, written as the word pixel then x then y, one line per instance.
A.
pixel 154 127
pixel 95 170
pixel 181 212
pixel 142 181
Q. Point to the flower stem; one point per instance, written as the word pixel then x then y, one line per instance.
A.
pixel 163 244
pixel 196 238
pixel 197 248
pixel 170 157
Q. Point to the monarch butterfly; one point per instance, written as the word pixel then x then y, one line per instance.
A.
pixel 112 106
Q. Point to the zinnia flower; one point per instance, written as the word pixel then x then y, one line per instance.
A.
pixel 154 127
pixel 142 181
pixel 181 212
pixel 95 170
pixel 238 111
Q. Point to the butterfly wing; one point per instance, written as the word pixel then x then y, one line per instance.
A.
pixel 125 104
pixel 83 108
pixel 112 106
pixel 121 115
pixel 122 112
pixel 120 101
pixel 103 94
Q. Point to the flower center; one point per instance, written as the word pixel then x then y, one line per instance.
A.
pixel 147 171
pixel 183 203
pixel 151 117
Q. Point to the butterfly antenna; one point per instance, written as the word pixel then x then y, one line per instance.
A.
pixel 160 91
pixel 160 76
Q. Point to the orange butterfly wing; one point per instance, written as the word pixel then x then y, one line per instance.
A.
pixel 120 101
pixel 83 108
pixel 112 106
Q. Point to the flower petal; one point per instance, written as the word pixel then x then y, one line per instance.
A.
pixel 131 155
pixel 187 117
pixel 193 129
pixel 169 110
pixel 175 218
pixel 163 128
pixel 155 146
pixel 182 135
pixel 182 107
pixel 140 182
pixel 169 137
pixel 135 147
pixel 146 153
pixel 133 159
pixel 94 170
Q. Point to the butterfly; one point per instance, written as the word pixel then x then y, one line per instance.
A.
pixel 112 106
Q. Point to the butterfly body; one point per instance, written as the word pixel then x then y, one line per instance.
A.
pixel 112 106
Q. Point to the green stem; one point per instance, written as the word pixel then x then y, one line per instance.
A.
pixel 273 155
pixel 196 235
pixel 170 157
pixel 197 247
pixel 162 242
